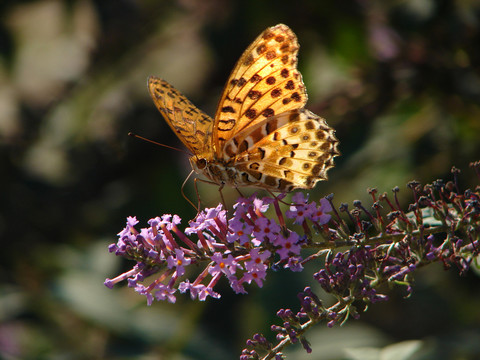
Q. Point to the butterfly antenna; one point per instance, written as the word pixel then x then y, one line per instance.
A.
pixel 156 143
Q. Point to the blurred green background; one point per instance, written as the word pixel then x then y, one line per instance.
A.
pixel 399 80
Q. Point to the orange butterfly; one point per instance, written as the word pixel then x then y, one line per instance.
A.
pixel 261 135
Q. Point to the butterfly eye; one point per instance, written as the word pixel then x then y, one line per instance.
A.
pixel 201 164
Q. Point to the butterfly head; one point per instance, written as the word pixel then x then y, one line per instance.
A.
pixel 198 164
pixel 203 167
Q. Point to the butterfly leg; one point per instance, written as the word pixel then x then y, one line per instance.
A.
pixel 279 200
pixel 220 188
pixel 223 199
pixel 239 192
pixel 186 198
pixel 221 185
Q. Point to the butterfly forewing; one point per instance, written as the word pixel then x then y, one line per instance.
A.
pixel 264 82
pixel 192 126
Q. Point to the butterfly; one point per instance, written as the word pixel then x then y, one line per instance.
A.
pixel 261 136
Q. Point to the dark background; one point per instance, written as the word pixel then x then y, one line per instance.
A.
pixel 399 81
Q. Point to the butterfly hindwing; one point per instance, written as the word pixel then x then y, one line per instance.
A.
pixel 192 126
pixel 264 82
pixel 292 150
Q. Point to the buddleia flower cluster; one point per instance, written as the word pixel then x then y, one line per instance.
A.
pixel 241 249
pixel 385 245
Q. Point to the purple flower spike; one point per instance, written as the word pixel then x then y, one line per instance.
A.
pixel 255 239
